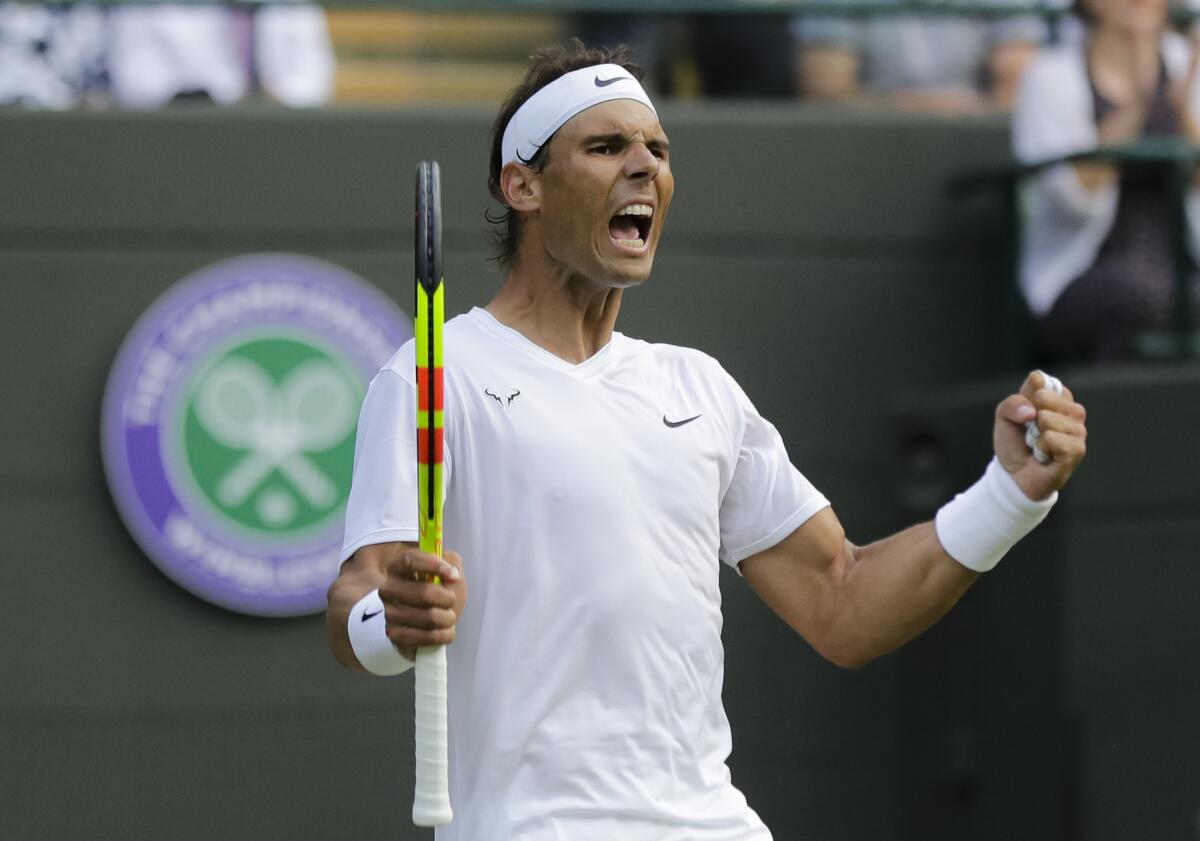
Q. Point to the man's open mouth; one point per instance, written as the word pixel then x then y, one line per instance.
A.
pixel 630 227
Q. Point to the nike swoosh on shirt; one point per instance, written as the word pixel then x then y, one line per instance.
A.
pixel 367 616
pixel 674 424
pixel 604 83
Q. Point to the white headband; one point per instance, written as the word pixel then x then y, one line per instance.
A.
pixel 545 112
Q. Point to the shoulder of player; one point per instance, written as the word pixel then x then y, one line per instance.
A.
pixel 688 371
pixel 665 352
pixel 678 359
pixel 403 362
pixel 464 327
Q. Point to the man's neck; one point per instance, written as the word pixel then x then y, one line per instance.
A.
pixel 567 315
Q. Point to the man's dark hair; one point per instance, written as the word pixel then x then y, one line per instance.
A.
pixel 546 65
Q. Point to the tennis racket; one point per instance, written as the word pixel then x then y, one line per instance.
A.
pixel 431 801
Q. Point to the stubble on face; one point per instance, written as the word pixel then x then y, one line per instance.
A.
pixel 605 194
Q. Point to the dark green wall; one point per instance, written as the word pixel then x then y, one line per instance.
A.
pixel 816 254
pixel 1057 701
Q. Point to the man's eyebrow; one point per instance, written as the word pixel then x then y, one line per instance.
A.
pixel 612 138
pixel 616 138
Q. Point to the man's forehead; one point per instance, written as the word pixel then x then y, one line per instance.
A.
pixel 616 116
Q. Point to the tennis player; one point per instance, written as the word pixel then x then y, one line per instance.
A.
pixel 595 484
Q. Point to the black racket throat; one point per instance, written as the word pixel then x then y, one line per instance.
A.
pixel 428 239
pixel 428 250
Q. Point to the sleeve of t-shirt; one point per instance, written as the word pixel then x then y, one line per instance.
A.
pixel 767 497
pixel 382 507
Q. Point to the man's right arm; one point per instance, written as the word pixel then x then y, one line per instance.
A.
pixel 417 612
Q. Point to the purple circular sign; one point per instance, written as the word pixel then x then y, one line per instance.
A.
pixel 228 426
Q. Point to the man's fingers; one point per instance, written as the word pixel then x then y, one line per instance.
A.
pixel 455 573
pixel 1049 396
pixel 418 611
pixel 406 635
pixel 419 627
pixel 455 560
pixel 1040 434
pixel 1034 382
pixel 1063 404
pixel 1048 421
pixel 1037 381
pixel 1016 408
pixel 419 594
pixel 1063 449
pixel 415 564
pixel 423 619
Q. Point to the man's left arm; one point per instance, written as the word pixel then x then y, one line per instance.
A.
pixel 856 603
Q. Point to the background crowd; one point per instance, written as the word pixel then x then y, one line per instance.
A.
pixel 64 55
pixel 147 56
pixel 1099 265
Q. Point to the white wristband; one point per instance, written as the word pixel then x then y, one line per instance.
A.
pixel 368 637
pixel 982 523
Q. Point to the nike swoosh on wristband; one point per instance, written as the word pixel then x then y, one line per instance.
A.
pixel 674 424
pixel 604 83
pixel 367 616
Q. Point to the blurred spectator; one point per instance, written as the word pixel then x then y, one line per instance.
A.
pixel 745 55
pixel 51 56
pixel 1098 261
pixel 935 63
pixel 161 53
pixel 736 55
pixel 645 35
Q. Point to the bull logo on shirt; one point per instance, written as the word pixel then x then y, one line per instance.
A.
pixel 510 394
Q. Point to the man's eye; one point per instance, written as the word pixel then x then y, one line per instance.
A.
pixel 606 149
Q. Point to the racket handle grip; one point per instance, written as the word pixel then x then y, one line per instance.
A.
pixel 431 803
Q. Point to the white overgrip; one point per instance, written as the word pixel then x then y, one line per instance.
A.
pixel 431 803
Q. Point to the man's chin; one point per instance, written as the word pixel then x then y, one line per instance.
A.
pixel 631 269
pixel 626 276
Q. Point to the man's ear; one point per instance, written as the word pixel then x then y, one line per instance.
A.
pixel 521 187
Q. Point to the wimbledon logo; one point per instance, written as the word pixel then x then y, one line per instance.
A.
pixel 229 421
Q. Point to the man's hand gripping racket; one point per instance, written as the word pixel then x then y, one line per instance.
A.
pixel 431 801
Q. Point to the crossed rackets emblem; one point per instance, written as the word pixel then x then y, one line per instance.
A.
pixel 241 407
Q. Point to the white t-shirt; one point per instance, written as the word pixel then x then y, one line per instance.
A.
pixel 590 504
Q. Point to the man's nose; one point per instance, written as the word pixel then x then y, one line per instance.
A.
pixel 641 162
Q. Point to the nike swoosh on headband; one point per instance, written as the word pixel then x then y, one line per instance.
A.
pixel 557 102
